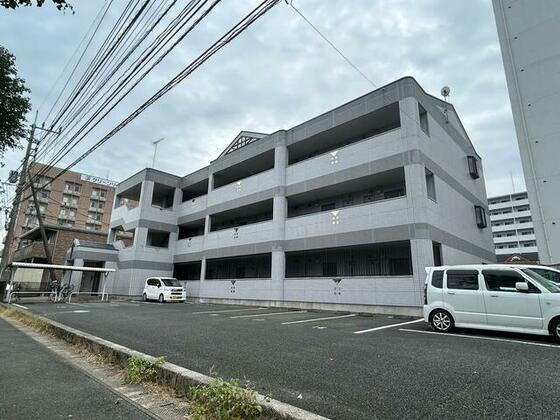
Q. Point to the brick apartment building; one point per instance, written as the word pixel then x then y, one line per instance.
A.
pixel 74 200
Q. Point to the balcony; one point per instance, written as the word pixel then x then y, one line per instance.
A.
pixel 188 245
pixel 517 250
pixel 506 239
pixel 364 152
pixel 193 205
pixel 515 226
pixel 509 204
pixel 243 187
pixel 390 212
pixel 242 235
pixel 33 250
pixel 125 214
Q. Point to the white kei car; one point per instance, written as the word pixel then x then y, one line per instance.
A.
pixel 164 289
pixel 492 297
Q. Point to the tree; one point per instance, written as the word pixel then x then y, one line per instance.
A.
pixel 12 4
pixel 14 105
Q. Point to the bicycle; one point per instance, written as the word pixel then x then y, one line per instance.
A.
pixel 65 292
pixel 14 295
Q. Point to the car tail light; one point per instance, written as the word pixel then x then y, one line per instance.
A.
pixel 425 293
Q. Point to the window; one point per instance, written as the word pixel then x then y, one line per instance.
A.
pixel 501 280
pixel 423 119
pixel 152 282
pixel 548 274
pixel 462 279
pixel 473 167
pixel 437 279
pixel 480 214
pixel 436 249
pixel 430 185
pixel 72 187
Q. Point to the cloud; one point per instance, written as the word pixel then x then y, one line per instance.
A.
pixel 280 73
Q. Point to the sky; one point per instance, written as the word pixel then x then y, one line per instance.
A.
pixel 278 74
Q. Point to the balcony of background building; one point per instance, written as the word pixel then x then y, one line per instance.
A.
pixel 359 191
pixel 33 250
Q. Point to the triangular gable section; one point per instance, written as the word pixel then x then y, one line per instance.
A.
pixel 243 139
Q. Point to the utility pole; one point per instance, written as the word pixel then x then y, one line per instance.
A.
pixel 6 253
pixel 42 228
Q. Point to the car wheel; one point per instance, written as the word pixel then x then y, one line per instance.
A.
pixel 441 321
pixel 555 330
pixel 144 297
pixel 161 300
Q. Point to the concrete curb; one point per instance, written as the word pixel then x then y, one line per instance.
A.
pixel 169 374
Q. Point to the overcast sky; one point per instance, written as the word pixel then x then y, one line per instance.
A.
pixel 280 73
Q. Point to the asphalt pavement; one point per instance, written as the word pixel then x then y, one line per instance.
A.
pixel 343 366
pixel 36 384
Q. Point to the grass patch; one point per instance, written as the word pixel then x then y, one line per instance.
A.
pixel 224 400
pixel 141 370
pixel 35 324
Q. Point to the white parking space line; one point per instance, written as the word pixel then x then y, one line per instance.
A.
pixel 227 310
pixel 318 319
pixel 384 327
pixel 479 337
pixel 272 314
pixel 20 306
pixel 78 304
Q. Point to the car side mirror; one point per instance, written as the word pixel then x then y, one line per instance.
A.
pixel 521 286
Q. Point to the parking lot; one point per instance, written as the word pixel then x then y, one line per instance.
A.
pixel 340 365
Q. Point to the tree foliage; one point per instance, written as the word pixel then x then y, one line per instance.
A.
pixel 14 104
pixel 12 4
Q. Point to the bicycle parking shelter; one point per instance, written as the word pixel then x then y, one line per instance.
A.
pixel 37 266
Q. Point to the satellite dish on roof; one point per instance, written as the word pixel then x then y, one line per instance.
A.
pixel 445 91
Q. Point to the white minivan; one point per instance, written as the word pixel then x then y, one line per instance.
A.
pixel 492 297
pixel 164 289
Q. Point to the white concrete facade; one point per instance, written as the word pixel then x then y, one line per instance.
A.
pixel 353 180
pixel 529 31
pixel 512 226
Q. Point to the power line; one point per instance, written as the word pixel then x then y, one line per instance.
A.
pixel 169 35
pixel 235 31
pixel 75 52
pixel 332 45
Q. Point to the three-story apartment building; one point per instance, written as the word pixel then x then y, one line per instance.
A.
pixel 344 210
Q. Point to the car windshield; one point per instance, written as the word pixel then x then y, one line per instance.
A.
pixel 548 274
pixel 549 285
pixel 171 282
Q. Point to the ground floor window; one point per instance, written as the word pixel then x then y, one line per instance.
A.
pixel 388 259
pixel 244 267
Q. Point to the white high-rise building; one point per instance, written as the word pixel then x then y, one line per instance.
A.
pixel 512 227
pixel 529 32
